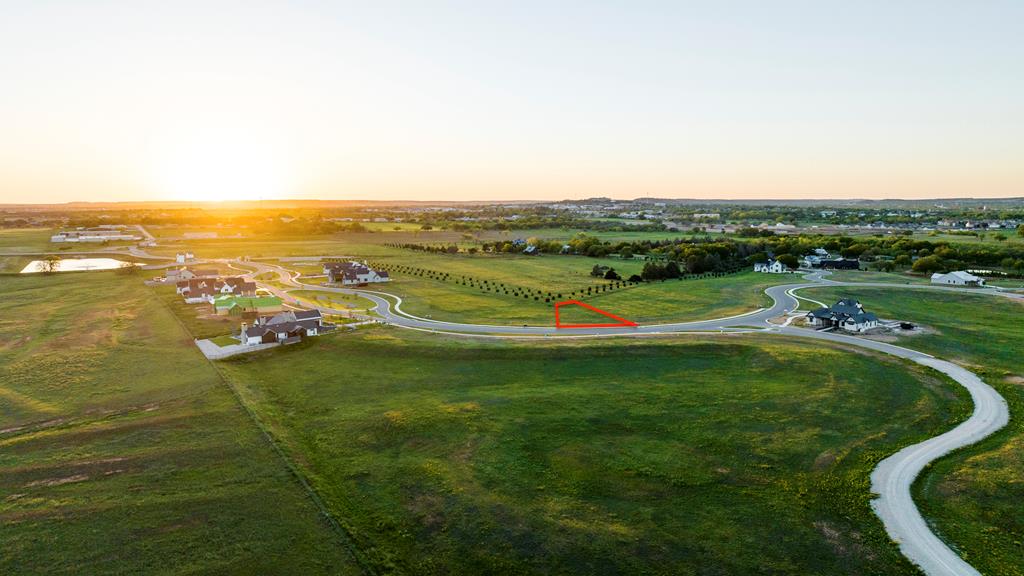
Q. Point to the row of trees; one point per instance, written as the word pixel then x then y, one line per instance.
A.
pixel 502 288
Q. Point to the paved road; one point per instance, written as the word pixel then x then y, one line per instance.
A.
pixel 891 479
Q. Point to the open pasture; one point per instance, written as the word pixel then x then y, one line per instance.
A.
pixel 625 456
pixel 123 452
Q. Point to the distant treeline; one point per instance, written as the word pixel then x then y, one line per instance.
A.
pixel 710 253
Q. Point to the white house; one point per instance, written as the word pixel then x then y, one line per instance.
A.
pixel 771 267
pixel 958 278
pixel 183 258
pixel 353 273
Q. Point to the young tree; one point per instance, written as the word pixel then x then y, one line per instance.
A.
pixel 49 264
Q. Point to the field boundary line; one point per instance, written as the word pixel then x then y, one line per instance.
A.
pixel 344 536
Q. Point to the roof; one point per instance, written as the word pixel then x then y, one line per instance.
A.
pixel 843 310
pixel 281 328
pixel 960 275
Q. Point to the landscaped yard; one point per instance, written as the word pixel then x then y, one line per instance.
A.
pixel 123 452
pixel 335 300
pixel 225 340
pixel 974 496
pixel 724 455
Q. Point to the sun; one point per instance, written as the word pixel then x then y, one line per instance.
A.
pixel 221 169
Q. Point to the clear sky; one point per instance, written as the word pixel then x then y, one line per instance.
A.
pixel 478 99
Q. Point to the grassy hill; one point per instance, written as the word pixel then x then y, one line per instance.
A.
pixel 710 455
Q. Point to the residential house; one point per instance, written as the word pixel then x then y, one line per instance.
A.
pixel 847 314
pixel 771 267
pixel 198 290
pixel 958 278
pixel 286 327
pixel 238 286
pixel 353 274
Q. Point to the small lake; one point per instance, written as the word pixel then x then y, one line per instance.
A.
pixel 76 265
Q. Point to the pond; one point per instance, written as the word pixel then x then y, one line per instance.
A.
pixel 76 265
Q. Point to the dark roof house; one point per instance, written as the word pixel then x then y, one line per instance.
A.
pixel 847 313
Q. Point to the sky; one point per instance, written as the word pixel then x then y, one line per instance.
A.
pixel 509 100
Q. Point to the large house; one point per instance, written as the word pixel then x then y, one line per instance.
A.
pixel 286 327
pixel 353 273
pixel 814 260
pixel 197 290
pixel 846 314
pixel 958 278
pixel 771 267
pixel 237 305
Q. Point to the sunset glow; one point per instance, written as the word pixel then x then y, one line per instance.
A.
pixel 455 100
pixel 221 169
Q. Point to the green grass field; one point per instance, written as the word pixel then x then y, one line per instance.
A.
pixel 122 451
pixel 726 455
pixel 973 496
pixel 26 240
pixel 671 300
pixel 332 300
pixel 876 276
pixel 199 319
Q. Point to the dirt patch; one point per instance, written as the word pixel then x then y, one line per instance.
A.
pixel 844 544
pixel 895 334
pixel 823 461
pixel 1014 379
pixel 429 509
pixel 465 454
pixel 58 481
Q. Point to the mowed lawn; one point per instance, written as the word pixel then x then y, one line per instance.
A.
pixel 710 455
pixel 974 496
pixel 122 451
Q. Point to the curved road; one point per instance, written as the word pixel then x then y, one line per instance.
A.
pixel 892 478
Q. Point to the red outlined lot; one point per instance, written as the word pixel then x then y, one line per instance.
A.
pixel 622 322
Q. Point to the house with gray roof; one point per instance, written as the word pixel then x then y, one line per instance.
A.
pixel 958 278
pixel 285 327
pixel 846 314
